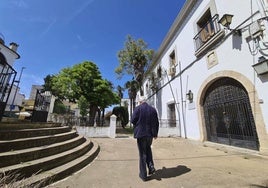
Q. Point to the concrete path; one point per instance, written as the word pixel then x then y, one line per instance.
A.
pixel 180 163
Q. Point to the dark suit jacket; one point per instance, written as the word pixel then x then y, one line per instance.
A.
pixel 145 121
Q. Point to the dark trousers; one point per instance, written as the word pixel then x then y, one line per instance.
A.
pixel 146 156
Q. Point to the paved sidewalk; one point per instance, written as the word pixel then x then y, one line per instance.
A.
pixel 180 163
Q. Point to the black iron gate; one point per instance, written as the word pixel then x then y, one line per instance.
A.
pixel 7 78
pixel 228 115
pixel 41 107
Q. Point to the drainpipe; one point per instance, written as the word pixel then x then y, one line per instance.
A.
pixel 183 110
pixel 262 5
pixel 176 104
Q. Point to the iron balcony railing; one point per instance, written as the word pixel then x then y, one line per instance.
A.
pixel 167 123
pixel 207 32
pixel 7 78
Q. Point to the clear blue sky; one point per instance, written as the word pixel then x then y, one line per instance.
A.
pixel 54 34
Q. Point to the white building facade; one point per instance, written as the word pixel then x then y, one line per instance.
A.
pixel 15 99
pixel 203 80
pixel 8 55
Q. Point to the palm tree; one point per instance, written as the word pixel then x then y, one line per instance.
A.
pixel 133 87
pixel 120 92
pixel 134 59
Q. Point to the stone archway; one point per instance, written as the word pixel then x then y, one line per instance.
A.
pixel 228 114
pixel 253 98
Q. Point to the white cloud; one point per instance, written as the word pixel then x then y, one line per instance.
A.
pixel 79 10
pixel 46 30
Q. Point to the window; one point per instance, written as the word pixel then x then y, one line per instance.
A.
pixel 206 27
pixel 171 115
pixel 172 64
pixel 172 59
pixel 208 32
pixel 147 88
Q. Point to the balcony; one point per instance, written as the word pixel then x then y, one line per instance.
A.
pixel 208 35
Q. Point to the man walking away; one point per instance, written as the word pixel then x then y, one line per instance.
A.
pixel 146 126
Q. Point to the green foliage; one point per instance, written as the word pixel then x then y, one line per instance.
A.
pixel 59 107
pixel 84 80
pixel 133 87
pixel 81 79
pixel 83 106
pixel 122 114
pixel 48 83
pixel 120 91
pixel 134 58
pixel 108 97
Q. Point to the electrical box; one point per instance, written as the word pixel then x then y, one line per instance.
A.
pixel 254 30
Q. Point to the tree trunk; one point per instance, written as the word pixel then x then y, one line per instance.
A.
pixel 131 108
pixel 102 117
pixel 92 114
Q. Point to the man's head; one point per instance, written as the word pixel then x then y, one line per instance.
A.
pixel 142 99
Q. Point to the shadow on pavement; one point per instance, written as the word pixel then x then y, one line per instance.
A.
pixel 259 186
pixel 170 172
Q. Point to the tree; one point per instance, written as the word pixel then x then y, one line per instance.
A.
pixel 83 106
pixel 134 59
pixel 48 83
pixel 108 97
pixel 133 87
pixel 120 92
pixel 85 80
pixel 121 113
pixel 59 108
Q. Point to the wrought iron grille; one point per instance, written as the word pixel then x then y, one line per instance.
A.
pixel 228 115
pixel 7 78
pixel 41 107
pixel 207 32
pixel 167 123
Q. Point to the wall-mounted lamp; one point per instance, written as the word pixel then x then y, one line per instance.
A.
pixel 190 96
pixel 226 21
pixel 262 66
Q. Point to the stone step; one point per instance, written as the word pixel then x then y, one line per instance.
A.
pixel 56 174
pixel 11 145
pixel 24 155
pixel 26 133
pixel 37 166
pixel 41 153
pixel 26 125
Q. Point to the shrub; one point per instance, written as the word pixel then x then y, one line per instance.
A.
pixel 122 114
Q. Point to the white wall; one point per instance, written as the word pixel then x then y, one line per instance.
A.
pixel 232 55
pixel 10 55
pixel 19 98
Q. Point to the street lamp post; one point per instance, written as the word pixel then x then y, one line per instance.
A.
pixel 18 81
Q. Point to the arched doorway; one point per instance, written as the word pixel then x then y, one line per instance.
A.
pixel 228 114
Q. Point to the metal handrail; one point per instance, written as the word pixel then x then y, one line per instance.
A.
pixel 207 32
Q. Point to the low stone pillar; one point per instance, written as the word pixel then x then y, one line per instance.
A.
pixel 112 126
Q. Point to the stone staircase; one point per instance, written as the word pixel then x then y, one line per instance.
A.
pixel 35 155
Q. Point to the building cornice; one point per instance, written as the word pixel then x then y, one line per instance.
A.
pixel 12 51
pixel 184 12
